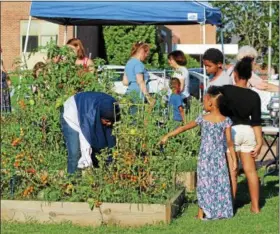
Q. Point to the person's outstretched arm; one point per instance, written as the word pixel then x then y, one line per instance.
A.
pixel 179 130
pixel 261 84
pixel 272 87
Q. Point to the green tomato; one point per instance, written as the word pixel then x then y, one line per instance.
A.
pixel 58 102
pixel 133 131
pixel 31 102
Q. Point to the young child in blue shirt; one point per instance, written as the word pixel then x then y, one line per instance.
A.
pixel 176 100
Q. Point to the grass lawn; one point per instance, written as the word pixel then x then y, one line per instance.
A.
pixel 242 223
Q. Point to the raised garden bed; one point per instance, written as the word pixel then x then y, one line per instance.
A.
pixel 188 180
pixel 123 214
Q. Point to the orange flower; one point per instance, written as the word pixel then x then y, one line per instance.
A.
pixel 19 156
pixel 28 191
pixel 22 104
pixel 146 160
pixel 16 141
pixel 44 178
pixel 97 204
pixel 115 154
pixel 31 171
pixel 25 192
pixel 16 164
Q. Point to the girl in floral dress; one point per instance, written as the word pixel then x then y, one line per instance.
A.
pixel 213 183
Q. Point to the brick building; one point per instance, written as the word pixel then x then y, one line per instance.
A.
pixel 14 19
pixel 192 34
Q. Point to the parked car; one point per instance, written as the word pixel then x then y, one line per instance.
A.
pixel 196 82
pixel 157 80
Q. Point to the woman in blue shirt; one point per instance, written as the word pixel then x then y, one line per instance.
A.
pixel 136 75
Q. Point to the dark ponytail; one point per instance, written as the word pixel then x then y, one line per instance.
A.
pixel 244 68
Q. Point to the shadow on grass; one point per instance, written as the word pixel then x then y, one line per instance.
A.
pixel 269 190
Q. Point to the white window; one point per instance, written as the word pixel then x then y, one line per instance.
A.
pixel 40 33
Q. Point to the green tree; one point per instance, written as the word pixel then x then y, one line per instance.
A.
pixel 119 40
pixel 249 21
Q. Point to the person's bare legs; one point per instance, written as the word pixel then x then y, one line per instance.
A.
pixel 233 175
pixel 249 168
pixel 200 213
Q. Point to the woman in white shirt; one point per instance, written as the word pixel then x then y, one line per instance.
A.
pixel 177 60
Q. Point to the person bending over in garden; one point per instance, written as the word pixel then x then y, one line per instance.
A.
pixel 213 182
pixel 244 108
pixel 213 62
pixel 177 60
pixel 87 119
pixel 78 47
pixel 176 101
pixel 136 76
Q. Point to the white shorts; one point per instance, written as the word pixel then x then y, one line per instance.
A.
pixel 244 138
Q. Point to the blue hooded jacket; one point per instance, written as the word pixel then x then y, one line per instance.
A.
pixel 92 106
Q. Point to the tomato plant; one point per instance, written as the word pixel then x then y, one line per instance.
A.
pixel 33 154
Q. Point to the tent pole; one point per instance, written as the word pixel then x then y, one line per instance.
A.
pixel 223 49
pixel 204 34
pixel 75 31
pixel 269 41
pixel 26 41
pixel 65 34
pixel 204 42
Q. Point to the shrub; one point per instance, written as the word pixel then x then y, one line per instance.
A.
pixel 119 40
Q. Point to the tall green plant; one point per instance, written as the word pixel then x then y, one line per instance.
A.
pixel 32 145
pixel 34 157
pixel 119 40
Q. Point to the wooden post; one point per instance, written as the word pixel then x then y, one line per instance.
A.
pixel 188 180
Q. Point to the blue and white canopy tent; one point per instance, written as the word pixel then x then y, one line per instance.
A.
pixel 125 13
pixel 133 12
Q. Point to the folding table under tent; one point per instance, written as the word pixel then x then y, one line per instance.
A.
pixel 125 13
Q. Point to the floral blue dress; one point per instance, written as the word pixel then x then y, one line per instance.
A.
pixel 213 182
